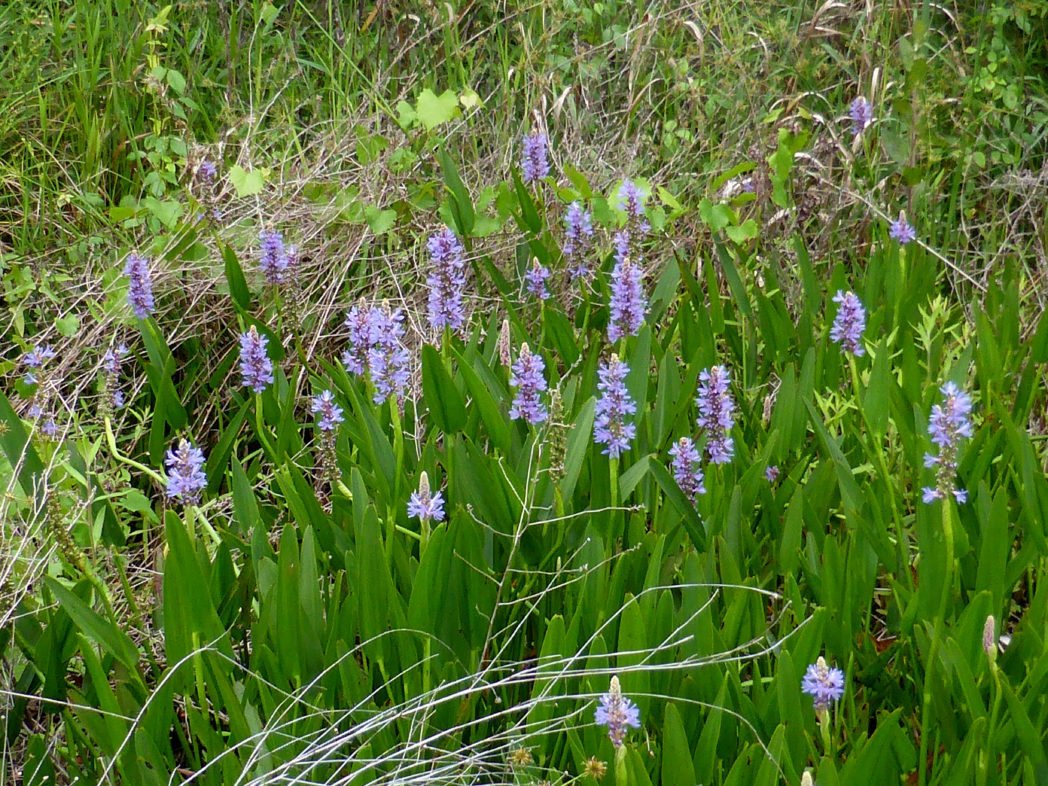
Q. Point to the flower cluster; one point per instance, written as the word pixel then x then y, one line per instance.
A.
pixel 628 302
pixel 534 164
pixel 717 413
pixel 185 472
pixel 861 115
pixel 950 422
pixel 617 713
pixel 386 355
pixel 631 199
pixel 376 345
pixel 687 468
pixel 207 170
pixel 527 378
pixel 275 261
pixel 112 361
pixel 615 403
pixel 536 279
pixel 34 360
pixel 447 282
pixel 578 235
pixel 424 506
pixel 901 230
pixel 358 322
pixel 849 323
pixel 140 286
pixel 330 412
pixel 256 369
pixel 330 415
pixel 823 684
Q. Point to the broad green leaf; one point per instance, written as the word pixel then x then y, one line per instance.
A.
pixel 380 221
pixel 442 397
pixel 434 110
pixel 247 183
pixel 235 278
pixel 578 446
pixel 103 632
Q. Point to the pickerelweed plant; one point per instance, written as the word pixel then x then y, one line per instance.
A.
pixel 694 466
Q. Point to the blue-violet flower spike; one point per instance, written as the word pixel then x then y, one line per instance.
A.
pixel 617 713
pixel 447 281
pixel 140 285
pixel 823 684
pixel 256 368
pixel 717 413
pixel 330 412
pixel 387 358
pixel 687 468
pixel 949 424
pixel 273 259
pixel 578 235
pixel 536 278
pixel 610 426
pixel 861 115
pixel 422 505
pixel 185 473
pixel 902 231
pixel 628 302
pixel 631 199
pixel 526 376
pixel 534 165
pixel 355 356
pixel 849 323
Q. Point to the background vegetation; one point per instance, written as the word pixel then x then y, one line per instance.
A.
pixel 284 631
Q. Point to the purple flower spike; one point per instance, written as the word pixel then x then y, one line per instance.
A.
pixel 140 285
pixel 717 413
pixel 207 170
pixel 687 469
pixel 185 473
pixel 355 357
pixel 578 235
pixel 631 199
pixel 536 279
pixel 949 424
pixel 861 115
pixel 330 412
pixel 38 355
pixel 255 366
pixel 823 684
pixel 114 359
pixel 386 356
pixel 534 165
pixel 273 260
pixel 422 505
pixel 771 474
pixel 35 359
pixel 527 378
pixel 628 301
pixel 902 231
pixel 609 426
pixel 849 323
pixel 617 713
pixel 447 282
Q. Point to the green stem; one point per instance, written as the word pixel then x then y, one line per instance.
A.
pixel 824 730
pixel 120 457
pixel 621 770
pixel 987 756
pixel 937 635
